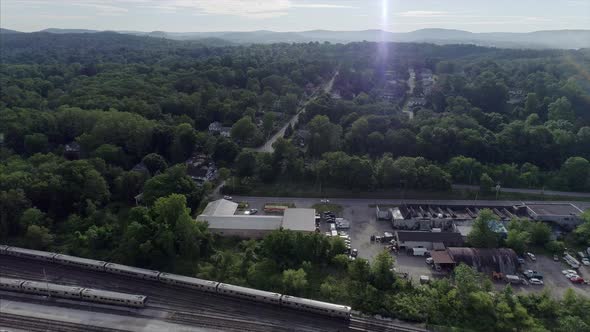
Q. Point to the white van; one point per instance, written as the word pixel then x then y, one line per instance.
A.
pixel 419 251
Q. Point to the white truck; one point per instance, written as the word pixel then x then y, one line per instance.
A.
pixel 419 251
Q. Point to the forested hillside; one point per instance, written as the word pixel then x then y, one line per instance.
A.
pixel 98 134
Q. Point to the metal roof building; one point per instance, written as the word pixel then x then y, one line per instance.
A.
pixel 222 220
pixel 486 260
pixel 564 214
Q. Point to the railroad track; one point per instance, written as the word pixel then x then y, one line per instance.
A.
pixel 45 325
pixel 176 304
pixel 375 325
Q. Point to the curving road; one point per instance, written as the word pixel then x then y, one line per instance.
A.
pixel 267 147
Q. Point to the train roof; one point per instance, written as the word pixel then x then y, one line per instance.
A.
pixel 50 286
pixel 131 269
pixel 10 281
pixel 3 246
pixel 188 279
pixel 246 290
pixel 319 304
pixel 30 252
pixel 113 295
pixel 79 259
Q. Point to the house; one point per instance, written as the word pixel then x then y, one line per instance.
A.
pixel 141 168
pixel 201 169
pixel 72 150
pixel 223 219
pixel 217 128
pixel 420 239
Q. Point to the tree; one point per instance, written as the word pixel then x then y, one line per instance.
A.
pixel 35 143
pixel 464 170
pixel 324 136
pixel 294 281
pixel 540 233
pixel 482 236
pixel 268 123
pixel 38 237
pixel 518 240
pixel 582 232
pixel 183 143
pixel 532 104
pixel 173 181
pixel 561 109
pixel 486 183
pixel 381 271
pixel 575 172
pixel 244 130
pixel 155 163
pixel 245 164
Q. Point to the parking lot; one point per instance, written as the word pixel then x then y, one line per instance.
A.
pixel 363 224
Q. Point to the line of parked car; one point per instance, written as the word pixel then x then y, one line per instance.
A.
pixel 337 227
pixel 574 277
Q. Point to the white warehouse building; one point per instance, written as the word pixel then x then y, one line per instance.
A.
pixel 223 220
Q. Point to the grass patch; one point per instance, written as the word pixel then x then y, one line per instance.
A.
pixel 322 207
pixel 289 205
pixel 243 205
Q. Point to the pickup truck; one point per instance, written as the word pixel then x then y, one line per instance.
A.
pixel 531 274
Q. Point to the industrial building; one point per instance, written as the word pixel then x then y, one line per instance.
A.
pixel 428 240
pixel 223 220
pixel 448 216
pixel 502 260
pixel 564 214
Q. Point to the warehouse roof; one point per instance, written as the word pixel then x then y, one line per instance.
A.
pixel 299 219
pixel 256 222
pixel 556 209
pixel 220 207
pixel 444 237
pixel 441 257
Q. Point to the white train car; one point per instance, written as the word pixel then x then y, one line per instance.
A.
pixel 30 253
pixel 132 271
pixel 195 283
pixel 80 262
pixel 11 284
pixel 3 248
pixel 101 296
pixel 43 288
pixel 323 308
pixel 249 293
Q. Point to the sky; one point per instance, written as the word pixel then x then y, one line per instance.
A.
pixel 295 15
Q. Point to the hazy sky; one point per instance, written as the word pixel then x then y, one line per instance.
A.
pixel 295 15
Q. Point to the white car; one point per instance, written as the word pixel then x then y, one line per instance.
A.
pixel 571 275
pixel 535 281
pixel 229 198
pixel 566 272
pixel 325 201
pixel 531 256
pixel 586 261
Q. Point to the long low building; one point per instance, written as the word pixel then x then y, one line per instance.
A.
pixel 223 220
pixel 428 240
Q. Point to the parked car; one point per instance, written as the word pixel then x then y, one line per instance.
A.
pixel 535 281
pixel 229 198
pixel 577 280
pixel 424 279
pixel 253 211
pixel 531 274
pixel 556 258
pixel 531 256
pixel 354 252
pixel 586 261
pixel 429 261
pixel 325 201
pixel 520 260
pixel 566 272
pixel 572 275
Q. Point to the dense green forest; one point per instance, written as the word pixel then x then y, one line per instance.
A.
pixel 79 113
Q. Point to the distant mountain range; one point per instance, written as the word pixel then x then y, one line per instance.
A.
pixel 561 39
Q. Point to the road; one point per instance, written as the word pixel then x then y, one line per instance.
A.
pixel 412 85
pixel 267 147
pixel 527 191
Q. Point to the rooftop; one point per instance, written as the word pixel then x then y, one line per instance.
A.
pixel 444 237
pixel 299 219
pixel 557 209
pixel 220 207
pixel 441 257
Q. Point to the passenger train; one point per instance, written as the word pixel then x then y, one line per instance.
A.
pixel 72 292
pixel 318 307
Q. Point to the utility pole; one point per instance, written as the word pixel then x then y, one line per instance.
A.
pixel 46 284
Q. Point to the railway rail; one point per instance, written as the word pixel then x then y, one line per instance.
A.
pixel 33 324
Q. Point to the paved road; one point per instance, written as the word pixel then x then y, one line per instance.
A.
pixel 528 191
pixel 412 85
pixel 363 203
pixel 267 147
